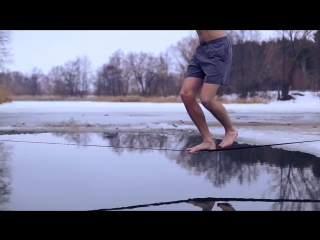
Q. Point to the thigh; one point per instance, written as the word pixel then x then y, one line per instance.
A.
pixel 193 79
pixel 209 91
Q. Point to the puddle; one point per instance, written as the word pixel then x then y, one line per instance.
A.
pixel 110 174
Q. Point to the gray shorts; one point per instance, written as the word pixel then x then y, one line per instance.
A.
pixel 212 62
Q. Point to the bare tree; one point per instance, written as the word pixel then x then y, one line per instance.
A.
pixel 108 81
pixel 114 77
pixel 35 81
pixel 76 76
pixel 4 58
pixel 317 60
pixel 19 83
pixel 252 63
pixel 85 75
pixel 47 86
pixel 100 83
pixel 182 53
pixel 143 66
pixel 165 83
pixel 291 44
pixel 116 60
pixel 4 50
pixel 56 78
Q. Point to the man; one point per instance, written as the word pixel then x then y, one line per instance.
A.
pixel 208 69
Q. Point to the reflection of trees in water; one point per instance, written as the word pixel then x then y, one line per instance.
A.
pixel 219 167
pixel 294 175
pixel 145 141
pixel 296 178
pixel 5 174
pixel 78 138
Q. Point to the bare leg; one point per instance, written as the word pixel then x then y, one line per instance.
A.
pixel 208 94
pixel 189 90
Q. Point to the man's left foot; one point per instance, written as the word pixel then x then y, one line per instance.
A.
pixel 229 138
pixel 203 146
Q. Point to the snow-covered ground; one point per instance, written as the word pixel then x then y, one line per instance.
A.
pixel 272 123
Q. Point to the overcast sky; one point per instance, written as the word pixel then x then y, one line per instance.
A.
pixel 47 48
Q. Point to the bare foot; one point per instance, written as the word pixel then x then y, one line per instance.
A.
pixel 229 138
pixel 203 146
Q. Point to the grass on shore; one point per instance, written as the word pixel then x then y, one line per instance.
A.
pixel 127 99
pixel 4 96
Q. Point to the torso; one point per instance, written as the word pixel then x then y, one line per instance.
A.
pixel 208 35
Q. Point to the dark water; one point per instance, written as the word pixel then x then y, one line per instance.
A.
pixel 36 176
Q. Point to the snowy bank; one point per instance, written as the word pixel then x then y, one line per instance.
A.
pixel 272 123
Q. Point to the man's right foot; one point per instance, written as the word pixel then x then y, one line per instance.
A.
pixel 203 146
pixel 229 138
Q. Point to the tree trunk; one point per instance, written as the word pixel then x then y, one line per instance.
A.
pixel 278 89
pixel 244 84
pixel 285 91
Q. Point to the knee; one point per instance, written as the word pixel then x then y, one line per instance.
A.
pixel 208 102
pixel 187 95
pixel 204 101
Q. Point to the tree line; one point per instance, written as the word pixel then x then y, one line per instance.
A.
pixel 291 60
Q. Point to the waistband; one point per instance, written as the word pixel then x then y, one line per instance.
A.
pixel 217 40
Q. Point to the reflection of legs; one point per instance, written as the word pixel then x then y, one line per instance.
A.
pixel 206 206
pixel 225 207
pixel 208 94
pixel 189 90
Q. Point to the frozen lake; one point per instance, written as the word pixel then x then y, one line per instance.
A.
pixel 142 158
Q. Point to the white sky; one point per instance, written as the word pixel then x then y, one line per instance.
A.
pixel 45 49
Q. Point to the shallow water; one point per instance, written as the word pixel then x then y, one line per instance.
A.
pixel 111 174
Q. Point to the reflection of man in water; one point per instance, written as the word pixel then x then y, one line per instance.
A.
pixel 208 69
pixel 225 206
pixel 206 206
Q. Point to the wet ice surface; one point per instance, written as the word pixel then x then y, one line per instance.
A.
pixel 37 176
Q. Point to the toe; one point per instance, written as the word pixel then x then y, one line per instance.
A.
pixel 193 150
pixel 223 145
